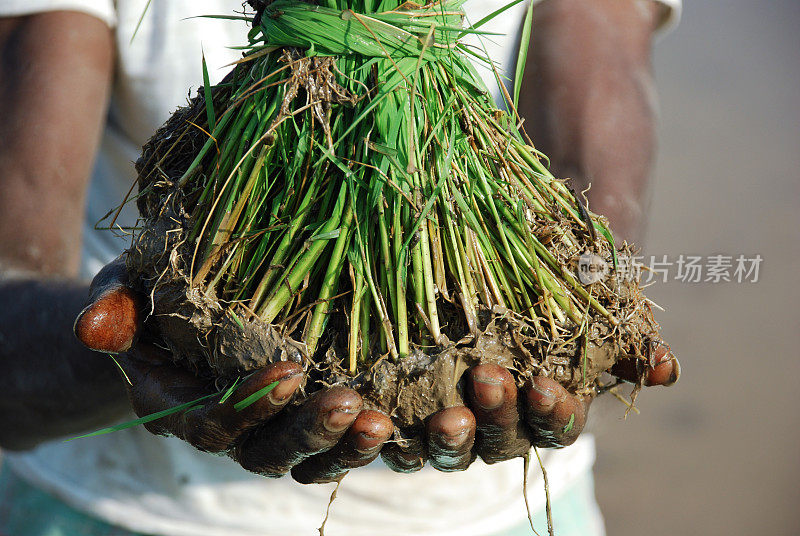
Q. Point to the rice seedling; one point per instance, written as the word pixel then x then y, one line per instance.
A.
pixel 351 197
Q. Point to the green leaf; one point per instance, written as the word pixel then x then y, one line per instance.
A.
pixel 148 418
pixel 212 120
pixel 236 319
pixel 490 16
pixel 570 424
pixel 522 58
pixel 255 397
pixel 325 236
pixel 141 18
pixel 230 391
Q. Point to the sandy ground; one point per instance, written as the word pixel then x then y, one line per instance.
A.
pixel 719 453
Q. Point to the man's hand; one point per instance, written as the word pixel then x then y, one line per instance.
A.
pixel 318 441
pixel 501 422
pixel 329 434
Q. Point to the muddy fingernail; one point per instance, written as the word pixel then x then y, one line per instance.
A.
pixel 488 393
pixel 541 397
pixel 339 420
pixel 454 440
pixel 286 388
pixel 676 373
pixel 367 444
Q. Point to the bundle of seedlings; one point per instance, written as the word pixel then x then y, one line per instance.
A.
pixel 350 197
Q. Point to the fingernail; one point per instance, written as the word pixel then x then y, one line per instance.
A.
pixel 286 388
pixel 488 392
pixel 368 444
pixel 454 440
pixel 339 420
pixel 676 373
pixel 546 397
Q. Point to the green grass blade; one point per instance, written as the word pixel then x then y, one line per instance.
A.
pixel 255 397
pixel 522 57
pixel 490 16
pixel 209 98
pixel 230 391
pixel 141 18
pixel 148 418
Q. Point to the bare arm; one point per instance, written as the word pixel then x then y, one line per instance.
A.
pixel 589 100
pixel 55 72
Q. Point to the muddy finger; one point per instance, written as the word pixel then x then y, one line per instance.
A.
pixel 299 433
pixel 361 444
pixel 216 427
pixel 555 417
pixel 451 435
pixel 111 323
pixel 493 400
pixel 664 368
pixel 405 453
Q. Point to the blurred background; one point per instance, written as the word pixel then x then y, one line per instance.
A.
pixel 719 453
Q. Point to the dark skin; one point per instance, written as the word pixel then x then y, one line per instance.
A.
pixel 45 168
pixel 318 440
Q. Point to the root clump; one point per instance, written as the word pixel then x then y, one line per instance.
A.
pixel 376 219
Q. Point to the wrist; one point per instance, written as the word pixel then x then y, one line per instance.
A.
pixel 51 386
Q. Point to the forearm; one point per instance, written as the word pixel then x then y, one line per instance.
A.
pixel 55 71
pixel 51 385
pixel 589 101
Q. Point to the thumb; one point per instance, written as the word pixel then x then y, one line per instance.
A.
pixel 111 320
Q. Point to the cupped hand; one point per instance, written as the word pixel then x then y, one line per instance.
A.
pixel 330 433
pixel 500 422
pixel 318 440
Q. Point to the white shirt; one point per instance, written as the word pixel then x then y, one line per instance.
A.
pixel 162 485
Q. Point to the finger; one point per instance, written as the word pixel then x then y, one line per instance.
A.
pixel 111 323
pixel 112 319
pixel 216 427
pixel 406 454
pixel 110 277
pixel 360 445
pixel 154 384
pixel 663 368
pixel 157 385
pixel 493 399
pixel 451 435
pixel 299 433
pixel 555 417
